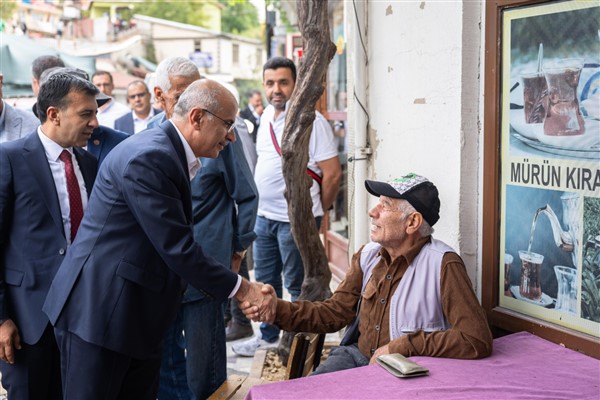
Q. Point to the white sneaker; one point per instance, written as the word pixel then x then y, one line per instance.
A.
pixel 248 348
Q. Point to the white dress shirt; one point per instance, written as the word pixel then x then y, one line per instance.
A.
pixel 57 168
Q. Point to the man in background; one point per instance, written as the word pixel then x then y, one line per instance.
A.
pixel 141 113
pixel 39 65
pixel 14 122
pixel 108 113
pixel 275 251
pixel 253 111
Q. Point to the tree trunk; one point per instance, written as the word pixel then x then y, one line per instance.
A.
pixel 312 71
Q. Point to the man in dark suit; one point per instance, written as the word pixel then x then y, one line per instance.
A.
pixel 120 286
pixel 253 111
pixel 141 113
pixel 39 216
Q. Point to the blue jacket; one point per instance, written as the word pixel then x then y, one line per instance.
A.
pixel 125 123
pixel 224 206
pixel 121 283
pixel 32 237
pixel 103 140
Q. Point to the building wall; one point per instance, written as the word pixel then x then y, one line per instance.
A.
pixel 422 92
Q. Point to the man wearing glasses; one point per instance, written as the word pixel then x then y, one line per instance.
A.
pixel 224 204
pixel 109 112
pixel 141 113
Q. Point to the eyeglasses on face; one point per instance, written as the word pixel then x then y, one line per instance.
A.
pixel 133 96
pixel 228 124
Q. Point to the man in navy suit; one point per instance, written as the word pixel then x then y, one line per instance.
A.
pixel 120 286
pixel 141 113
pixel 37 229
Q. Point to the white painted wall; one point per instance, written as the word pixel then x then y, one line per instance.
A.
pixel 423 99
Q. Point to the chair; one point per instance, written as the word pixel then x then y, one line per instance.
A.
pixel 305 354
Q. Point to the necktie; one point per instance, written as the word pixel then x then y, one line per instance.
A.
pixel 75 204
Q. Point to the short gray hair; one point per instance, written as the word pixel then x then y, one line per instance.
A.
pixel 406 209
pixel 173 66
pixel 191 97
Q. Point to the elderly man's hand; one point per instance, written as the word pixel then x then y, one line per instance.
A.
pixel 379 352
pixel 9 341
pixel 258 301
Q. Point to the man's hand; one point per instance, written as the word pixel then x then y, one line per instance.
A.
pixel 257 301
pixel 380 351
pixel 9 341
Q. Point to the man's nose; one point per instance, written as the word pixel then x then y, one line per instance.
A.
pixel 230 136
pixel 94 122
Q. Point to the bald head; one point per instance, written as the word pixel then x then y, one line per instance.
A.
pixel 205 115
pixel 207 94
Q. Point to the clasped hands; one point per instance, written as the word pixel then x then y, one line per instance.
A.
pixel 258 301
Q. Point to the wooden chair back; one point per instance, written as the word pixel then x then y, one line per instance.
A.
pixel 305 354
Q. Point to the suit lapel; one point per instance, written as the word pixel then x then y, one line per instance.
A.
pixel 35 157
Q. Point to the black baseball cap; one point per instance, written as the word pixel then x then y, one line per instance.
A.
pixel 416 189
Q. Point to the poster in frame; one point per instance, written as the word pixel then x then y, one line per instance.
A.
pixel 547 166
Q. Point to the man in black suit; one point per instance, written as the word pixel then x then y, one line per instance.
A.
pixel 253 111
pixel 43 192
pixel 120 286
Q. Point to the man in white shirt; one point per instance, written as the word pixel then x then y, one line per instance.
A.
pixel 275 251
pixel 141 113
pixel 109 112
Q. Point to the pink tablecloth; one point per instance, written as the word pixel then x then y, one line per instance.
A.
pixel 522 366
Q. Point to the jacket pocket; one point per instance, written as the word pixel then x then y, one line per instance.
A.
pixel 13 277
pixel 140 276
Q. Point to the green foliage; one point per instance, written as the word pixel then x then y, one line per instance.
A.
pixel 244 86
pixel 7 9
pixel 186 12
pixel 590 280
pixel 241 18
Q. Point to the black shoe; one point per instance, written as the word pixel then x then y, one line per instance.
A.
pixel 237 331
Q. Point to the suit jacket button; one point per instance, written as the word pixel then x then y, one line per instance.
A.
pixel 61 252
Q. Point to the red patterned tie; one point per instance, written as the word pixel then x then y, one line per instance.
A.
pixel 75 204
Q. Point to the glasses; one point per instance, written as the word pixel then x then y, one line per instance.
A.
pixel 228 124
pixel 140 95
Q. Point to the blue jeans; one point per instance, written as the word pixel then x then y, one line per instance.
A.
pixel 194 361
pixel 340 358
pixel 275 252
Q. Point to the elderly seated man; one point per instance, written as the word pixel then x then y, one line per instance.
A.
pixel 410 293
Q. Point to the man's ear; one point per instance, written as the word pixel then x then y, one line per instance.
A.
pixel 53 115
pixel 414 222
pixel 158 95
pixel 196 117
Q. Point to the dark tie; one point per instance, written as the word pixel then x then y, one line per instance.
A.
pixel 75 204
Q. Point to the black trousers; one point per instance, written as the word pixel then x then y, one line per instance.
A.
pixel 95 373
pixel 36 371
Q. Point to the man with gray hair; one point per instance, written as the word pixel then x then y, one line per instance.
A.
pixel 135 253
pixel 224 204
pixel 405 292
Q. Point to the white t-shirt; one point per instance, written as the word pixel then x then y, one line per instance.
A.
pixel 269 174
pixel 114 109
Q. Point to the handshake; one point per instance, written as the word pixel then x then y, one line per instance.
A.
pixel 258 301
